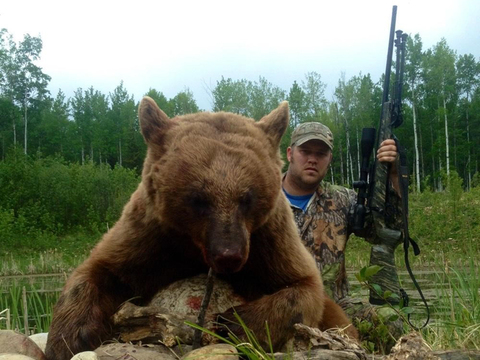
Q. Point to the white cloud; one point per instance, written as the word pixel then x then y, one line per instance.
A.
pixel 177 44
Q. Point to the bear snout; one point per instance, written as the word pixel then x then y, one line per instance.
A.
pixel 228 260
pixel 227 245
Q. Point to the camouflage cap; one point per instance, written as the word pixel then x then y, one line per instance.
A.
pixel 312 131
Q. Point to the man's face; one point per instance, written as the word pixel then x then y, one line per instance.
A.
pixel 309 162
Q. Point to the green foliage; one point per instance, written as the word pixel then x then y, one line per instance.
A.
pixel 459 302
pixel 249 348
pixel 44 199
pixel 364 277
pixel 454 190
pixel 27 301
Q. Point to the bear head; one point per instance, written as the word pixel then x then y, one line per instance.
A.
pixel 213 177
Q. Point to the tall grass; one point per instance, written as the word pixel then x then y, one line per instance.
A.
pixel 27 303
pixel 50 261
pixel 457 310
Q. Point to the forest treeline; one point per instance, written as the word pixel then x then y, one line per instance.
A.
pixel 441 111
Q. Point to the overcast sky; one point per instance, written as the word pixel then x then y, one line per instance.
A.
pixel 170 45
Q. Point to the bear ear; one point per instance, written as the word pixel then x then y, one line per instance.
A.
pixel 153 121
pixel 275 123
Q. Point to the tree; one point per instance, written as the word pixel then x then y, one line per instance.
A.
pixel 231 96
pixel 123 115
pixel 184 103
pixel 344 93
pixel 55 127
pixel 468 71
pixel 296 101
pixel 413 65
pixel 263 97
pixel 441 78
pixel 162 102
pixel 22 81
pixel 315 101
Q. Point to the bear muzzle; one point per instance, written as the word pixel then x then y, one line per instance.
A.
pixel 227 248
pixel 228 261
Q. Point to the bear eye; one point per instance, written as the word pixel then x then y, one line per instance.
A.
pixel 246 201
pixel 200 204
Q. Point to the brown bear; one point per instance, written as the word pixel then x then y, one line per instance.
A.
pixel 210 196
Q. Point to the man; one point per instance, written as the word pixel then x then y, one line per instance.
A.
pixel 321 209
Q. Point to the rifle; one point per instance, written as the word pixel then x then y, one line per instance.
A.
pixel 374 190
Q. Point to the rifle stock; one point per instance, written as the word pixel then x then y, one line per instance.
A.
pixel 386 240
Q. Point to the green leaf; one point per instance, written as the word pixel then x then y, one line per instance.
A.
pixel 377 288
pixel 407 310
pixel 372 270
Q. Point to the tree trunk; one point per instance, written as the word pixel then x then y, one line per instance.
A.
pixel 422 155
pixel 120 152
pixel 342 173
pixel 469 158
pixel 340 149
pixel 83 153
pixel 359 160
pixel 415 137
pixel 433 158
pixel 26 123
pixel 349 155
pixel 447 152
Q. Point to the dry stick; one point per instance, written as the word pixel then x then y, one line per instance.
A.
pixel 197 335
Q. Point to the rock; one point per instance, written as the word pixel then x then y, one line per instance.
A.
pixel 119 351
pixel 86 355
pixel 12 342
pixel 213 352
pixel 14 357
pixel 40 339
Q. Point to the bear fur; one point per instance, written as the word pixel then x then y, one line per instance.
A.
pixel 210 196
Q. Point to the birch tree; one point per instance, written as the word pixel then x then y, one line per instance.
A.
pixel 22 81
pixel 412 78
pixel 441 75
pixel 468 71
pixel 344 98
pixel 315 101
pixel 123 114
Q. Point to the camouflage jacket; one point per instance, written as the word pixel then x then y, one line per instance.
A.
pixel 324 229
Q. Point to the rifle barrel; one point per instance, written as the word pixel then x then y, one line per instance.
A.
pixel 388 69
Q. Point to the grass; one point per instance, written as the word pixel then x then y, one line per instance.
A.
pixel 249 349
pixel 72 250
pixel 34 305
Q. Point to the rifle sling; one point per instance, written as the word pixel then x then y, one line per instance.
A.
pixel 407 240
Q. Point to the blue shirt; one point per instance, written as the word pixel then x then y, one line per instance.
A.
pixel 301 201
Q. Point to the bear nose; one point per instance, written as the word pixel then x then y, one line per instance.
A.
pixel 228 261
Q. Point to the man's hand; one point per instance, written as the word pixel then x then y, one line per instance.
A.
pixel 387 153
